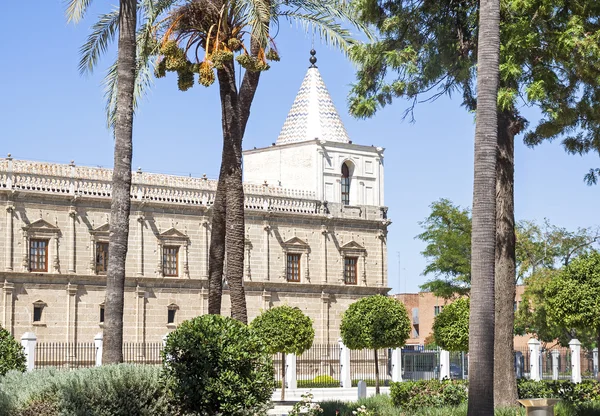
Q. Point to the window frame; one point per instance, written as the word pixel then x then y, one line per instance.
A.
pixel 345 184
pixel 100 243
pixel 40 306
pixel 172 309
pixel 31 256
pixel 354 270
pixel 165 260
pixel 289 271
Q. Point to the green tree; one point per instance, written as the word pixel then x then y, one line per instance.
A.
pixel 447 232
pixel 375 322
pixel 125 74
pixel 12 356
pixel 549 58
pixel 573 296
pixel 287 331
pixel 215 365
pixel 451 326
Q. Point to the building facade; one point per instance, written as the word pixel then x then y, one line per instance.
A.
pixel 316 235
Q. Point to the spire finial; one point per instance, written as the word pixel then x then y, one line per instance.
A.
pixel 313 59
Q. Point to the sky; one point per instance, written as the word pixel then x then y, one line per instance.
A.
pixel 49 112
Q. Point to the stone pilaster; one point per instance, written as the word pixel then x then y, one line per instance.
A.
pixel 266 298
pixel 325 318
pixel 186 265
pixel 324 232
pixel 381 236
pixel 205 225
pixel 71 314
pixel 140 314
pixel 267 249
pixel 8 238
pixel 56 261
pixel 7 306
pixel 203 301
pixel 73 239
pixel 364 268
pixel 140 259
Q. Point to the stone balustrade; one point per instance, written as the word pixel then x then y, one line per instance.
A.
pixel 62 179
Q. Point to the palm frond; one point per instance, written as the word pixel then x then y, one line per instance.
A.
pixel 103 33
pixel 76 10
pixel 110 95
pixel 327 28
pixel 257 14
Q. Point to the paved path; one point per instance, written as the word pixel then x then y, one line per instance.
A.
pixel 325 394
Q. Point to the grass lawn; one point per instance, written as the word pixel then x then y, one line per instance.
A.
pixel 382 406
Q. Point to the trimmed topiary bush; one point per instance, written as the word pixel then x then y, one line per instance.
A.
pixel 12 356
pixel 215 365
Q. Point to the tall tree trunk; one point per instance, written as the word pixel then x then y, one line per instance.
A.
pixel 217 243
pixel 505 382
pixel 234 195
pixel 376 371
pixel 483 240
pixel 282 376
pixel 121 186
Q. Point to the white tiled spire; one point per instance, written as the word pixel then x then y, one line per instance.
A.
pixel 313 115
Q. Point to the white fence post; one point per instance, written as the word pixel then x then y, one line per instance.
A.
pixel 444 364
pixel 98 342
pixel 345 379
pixel 534 359
pixel 28 341
pixel 575 346
pixel 397 364
pixel 555 357
pixel 290 371
pixel 595 361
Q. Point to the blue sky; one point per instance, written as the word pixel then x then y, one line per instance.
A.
pixel 49 112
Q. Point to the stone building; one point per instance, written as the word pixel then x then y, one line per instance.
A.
pixel 316 235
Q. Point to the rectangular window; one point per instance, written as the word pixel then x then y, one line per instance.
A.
pixel 101 314
pixel 171 316
pixel 37 313
pixel 436 310
pixel 293 267
pixel 101 258
pixel 170 254
pixel 350 272
pixel 38 255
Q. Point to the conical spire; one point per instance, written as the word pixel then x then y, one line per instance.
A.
pixel 313 115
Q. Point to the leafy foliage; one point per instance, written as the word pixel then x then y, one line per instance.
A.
pixel 12 356
pixel 448 237
pixel 573 298
pixel 549 57
pixel 112 390
pixel 451 326
pixel 375 322
pixel 287 330
pixel 217 365
pixel 411 395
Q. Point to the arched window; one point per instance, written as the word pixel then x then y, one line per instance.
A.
pixel 345 184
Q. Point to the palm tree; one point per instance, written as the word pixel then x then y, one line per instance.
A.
pixel 481 323
pixel 121 181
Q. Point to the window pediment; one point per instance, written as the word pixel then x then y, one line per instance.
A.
pixel 41 226
pixel 295 244
pixel 173 235
pixel 102 230
pixel 352 246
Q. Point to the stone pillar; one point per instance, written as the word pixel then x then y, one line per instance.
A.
pixel 342 268
pixel 29 341
pixel 73 248
pixel 534 359
pixel 8 241
pixel 397 364
pixel 324 271
pixel 159 263
pixel 140 258
pixel 575 347
pixel 325 318
pixel 140 309
pixel 204 225
pixel 381 237
pixel 266 296
pixel 307 267
pixel 98 342
pixel 320 169
pixel 248 268
pixel 203 301
pixel 267 229
pixel 186 264
pixel 555 356
pixel 25 260
pixel 345 379
pixel 444 364
pixel 92 255
pixel 290 371
pixel 364 268
pixel 595 361
pixel 71 315
pixel 56 262
pixel 7 306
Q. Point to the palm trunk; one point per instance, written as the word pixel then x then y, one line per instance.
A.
pixel 234 195
pixel 505 383
pixel 282 376
pixel 376 372
pixel 217 245
pixel 121 186
pixel 483 240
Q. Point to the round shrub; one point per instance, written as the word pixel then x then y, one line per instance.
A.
pixel 217 365
pixel 12 356
pixel 325 379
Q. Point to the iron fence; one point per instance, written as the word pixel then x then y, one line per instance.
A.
pixel 362 366
pixel 319 366
pixel 420 365
pixel 143 353
pixel 459 365
pixel 65 355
